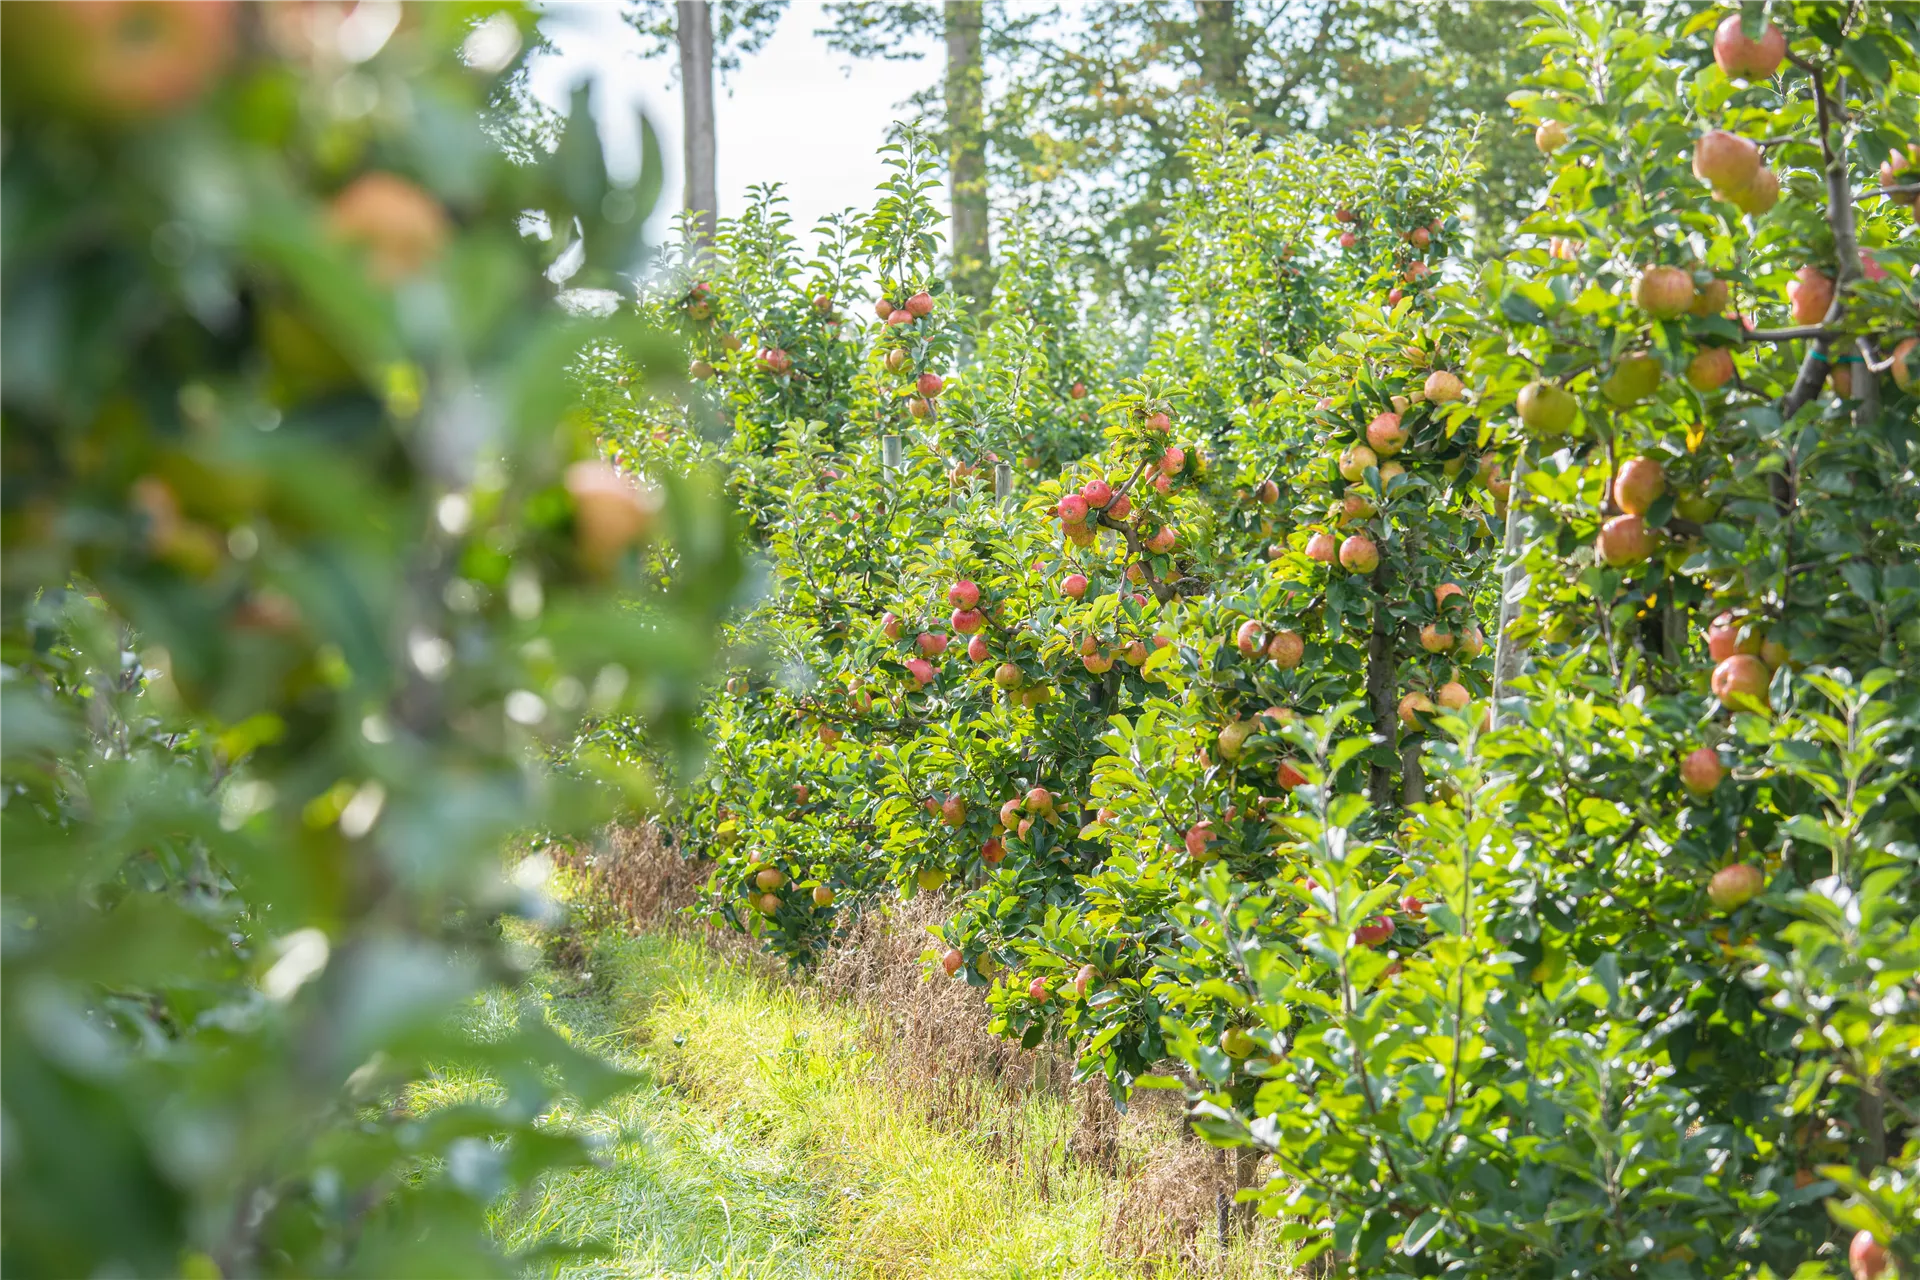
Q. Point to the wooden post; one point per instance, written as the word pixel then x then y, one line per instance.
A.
pixel 1002 483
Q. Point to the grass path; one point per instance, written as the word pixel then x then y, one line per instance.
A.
pixel 758 1143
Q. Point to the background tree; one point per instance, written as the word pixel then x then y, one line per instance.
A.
pixel 705 37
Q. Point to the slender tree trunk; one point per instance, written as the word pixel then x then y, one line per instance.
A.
pixel 1383 673
pixel 967 152
pixel 694 27
pixel 1223 54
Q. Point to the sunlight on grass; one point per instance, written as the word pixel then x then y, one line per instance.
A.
pixel 761 1143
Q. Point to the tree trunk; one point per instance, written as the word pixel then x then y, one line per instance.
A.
pixel 1383 672
pixel 967 152
pixel 1222 54
pixel 693 26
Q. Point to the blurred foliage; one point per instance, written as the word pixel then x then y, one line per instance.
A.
pixel 309 564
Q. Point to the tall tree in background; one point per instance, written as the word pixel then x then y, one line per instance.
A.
pixel 967 151
pixel 975 34
pixel 693 30
pixel 706 37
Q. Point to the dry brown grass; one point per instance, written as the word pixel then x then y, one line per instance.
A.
pixel 933 1053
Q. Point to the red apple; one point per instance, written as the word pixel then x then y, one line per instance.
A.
pixel 700 370
pixel 977 649
pixel 930 385
pixel 932 643
pixel 919 407
pixel 1419 237
pixel 1701 771
pixel 895 360
pixel 800 792
pixel 1078 391
pixel 921 670
pixel 1359 554
pixel 1412 707
pixel 117 61
pixel 1355 505
pixel 1624 540
pixel 1385 434
pixel 951 961
pixel 1725 160
pixel 1073 509
pixel 1434 640
pixel 770 878
pixel 1163 540
pixel 1453 695
pixel 993 851
pixel 1074 586
pixel 1896 171
pixel 1734 886
pixel 1866 1257
pixel 1288 776
pixel 1122 505
pixel 1663 292
pixel 1413 906
pixel 1159 422
pixel 890 626
pixel 1740 682
pixel 1760 194
pixel 1266 492
pixel 775 361
pixel 1442 387
pixel 1374 932
pixel 823 895
pixel 1639 485
pixel 1810 295
pixel 1709 299
pixel 610 512
pixel 1097 493
pixel 953 811
pixel 1729 635
pixel 1286 649
pixel 1710 370
pixel 967 621
pixel 900 317
pixel 1198 837
pixel 1323 547
pixel 1905 364
pixel 920 304
pixel 1354 461
pixel 1173 461
pixel 1249 638
pixel 963 594
pixel 1348 239
pixel 1083 980
pixel 827 734
pixel 1446 591
pixel 1748 59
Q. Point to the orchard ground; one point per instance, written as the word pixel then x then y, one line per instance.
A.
pixel 775 1129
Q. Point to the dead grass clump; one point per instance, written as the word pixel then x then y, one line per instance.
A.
pixel 933 1052
pixel 636 877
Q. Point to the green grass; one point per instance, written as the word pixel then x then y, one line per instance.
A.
pixel 760 1142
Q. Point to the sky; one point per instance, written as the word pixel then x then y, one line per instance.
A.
pixel 795 113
